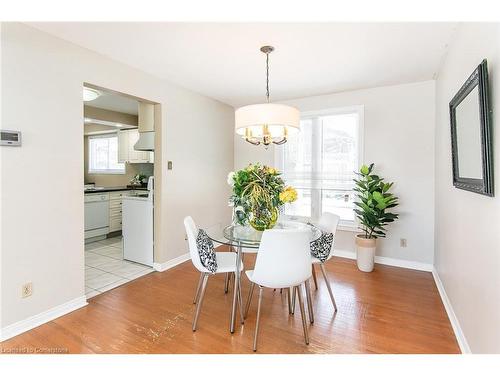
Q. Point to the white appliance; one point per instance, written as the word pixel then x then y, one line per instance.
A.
pixel 137 226
pixel 96 215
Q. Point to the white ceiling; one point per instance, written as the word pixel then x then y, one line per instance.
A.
pixel 114 102
pixel 223 61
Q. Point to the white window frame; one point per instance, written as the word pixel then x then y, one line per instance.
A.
pixel 103 171
pixel 316 196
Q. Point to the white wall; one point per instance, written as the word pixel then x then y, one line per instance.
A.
pixel 399 139
pixel 42 216
pixel 467 232
pixel 1 208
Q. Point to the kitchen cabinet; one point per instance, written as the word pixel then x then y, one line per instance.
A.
pixel 123 146
pixel 115 209
pixel 126 152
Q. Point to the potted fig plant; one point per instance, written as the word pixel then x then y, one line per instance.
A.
pixel 373 205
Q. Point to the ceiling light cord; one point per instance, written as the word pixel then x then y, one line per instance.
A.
pixel 267 77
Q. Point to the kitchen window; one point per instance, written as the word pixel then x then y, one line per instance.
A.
pixel 320 162
pixel 103 155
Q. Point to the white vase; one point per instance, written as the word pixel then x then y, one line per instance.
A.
pixel 365 253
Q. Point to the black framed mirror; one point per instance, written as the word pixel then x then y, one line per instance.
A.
pixel 471 138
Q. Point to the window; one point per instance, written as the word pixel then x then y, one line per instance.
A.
pixel 320 162
pixel 103 155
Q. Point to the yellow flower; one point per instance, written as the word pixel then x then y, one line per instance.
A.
pixel 288 195
pixel 272 170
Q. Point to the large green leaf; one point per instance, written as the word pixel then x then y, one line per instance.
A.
pixel 365 170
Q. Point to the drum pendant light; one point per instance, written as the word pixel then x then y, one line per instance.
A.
pixel 268 122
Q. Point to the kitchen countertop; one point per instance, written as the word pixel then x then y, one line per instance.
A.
pixel 113 188
pixel 132 198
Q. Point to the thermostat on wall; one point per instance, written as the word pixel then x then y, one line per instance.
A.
pixel 10 138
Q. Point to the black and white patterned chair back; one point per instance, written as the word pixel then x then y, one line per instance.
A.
pixel 192 233
pixel 322 248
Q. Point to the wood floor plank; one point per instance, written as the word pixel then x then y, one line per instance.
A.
pixel 391 310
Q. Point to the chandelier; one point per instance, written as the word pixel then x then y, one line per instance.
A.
pixel 268 122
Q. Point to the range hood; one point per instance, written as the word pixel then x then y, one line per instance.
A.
pixel 146 142
pixel 146 120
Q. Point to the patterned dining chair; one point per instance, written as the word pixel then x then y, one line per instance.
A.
pixel 328 225
pixel 321 252
pixel 208 262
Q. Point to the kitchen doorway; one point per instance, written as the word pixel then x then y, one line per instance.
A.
pixel 119 162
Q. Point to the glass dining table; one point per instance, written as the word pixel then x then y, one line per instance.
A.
pixel 245 239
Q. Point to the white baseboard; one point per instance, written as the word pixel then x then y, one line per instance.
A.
pixel 404 263
pixel 24 325
pixel 344 254
pixel 388 261
pixel 160 267
pixel 459 334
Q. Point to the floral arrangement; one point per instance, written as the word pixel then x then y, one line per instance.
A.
pixel 138 179
pixel 259 194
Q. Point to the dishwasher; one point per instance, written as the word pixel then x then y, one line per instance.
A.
pixel 96 215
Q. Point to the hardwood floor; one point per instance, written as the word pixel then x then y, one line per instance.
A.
pixel 392 310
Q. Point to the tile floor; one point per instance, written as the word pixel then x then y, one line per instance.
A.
pixel 105 267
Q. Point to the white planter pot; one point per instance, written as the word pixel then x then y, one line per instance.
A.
pixel 365 253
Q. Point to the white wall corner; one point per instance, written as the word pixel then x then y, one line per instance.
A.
pixel 459 334
pixel 24 325
pixel 160 267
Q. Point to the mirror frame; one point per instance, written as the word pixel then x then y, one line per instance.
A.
pixel 483 185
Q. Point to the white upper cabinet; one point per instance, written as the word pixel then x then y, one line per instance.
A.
pixel 126 152
pixel 123 146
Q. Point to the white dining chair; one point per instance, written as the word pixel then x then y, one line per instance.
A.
pixel 226 263
pixel 283 261
pixel 327 223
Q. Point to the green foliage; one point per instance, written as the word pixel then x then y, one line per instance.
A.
pixel 374 201
pixel 138 178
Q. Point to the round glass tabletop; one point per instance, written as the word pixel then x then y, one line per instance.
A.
pixel 248 237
